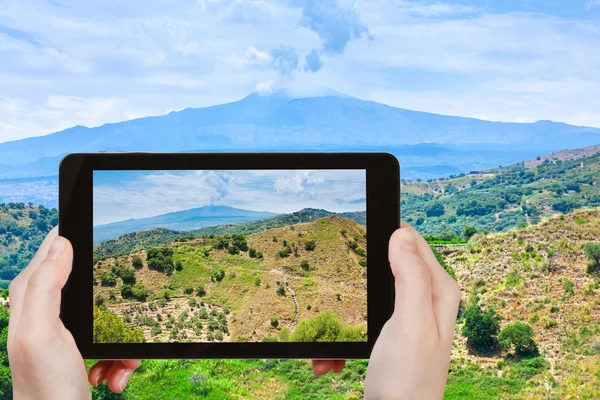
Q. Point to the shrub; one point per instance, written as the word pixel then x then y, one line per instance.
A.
pixel 326 327
pixel 519 337
pixel 308 307
pixel 338 296
pixel 219 336
pixel 178 266
pixel 192 302
pixel 128 276
pixel 568 286
pixel 287 250
pixel 126 291
pixel 240 242
pixel 109 328
pixel 252 252
pixel 274 322
pixel 259 254
pixel 280 289
pixel 218 276
pixel 270 340
pixel 592 252
pixel 108 279
pixel 221 243
pixel 233 249
pixel 136 262
pixel 188 290
pixel 160 259
pixel 155 331
pixel 480 327
pixel 98 300
pixel 257 282
pixel 469 231
pixel 304 265
pixel 436 209
pixel 310 245
pixel 200 291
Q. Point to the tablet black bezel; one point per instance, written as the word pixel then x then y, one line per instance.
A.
pixel 75 223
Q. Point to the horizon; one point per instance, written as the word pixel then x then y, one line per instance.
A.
pixel 124 195
pixel 62 69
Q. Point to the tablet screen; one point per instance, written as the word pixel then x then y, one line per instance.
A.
pixel 230 255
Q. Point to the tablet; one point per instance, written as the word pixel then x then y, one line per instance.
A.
pixel 228 255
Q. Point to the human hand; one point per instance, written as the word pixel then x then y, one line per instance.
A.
pixel 44 360
pixel 411 357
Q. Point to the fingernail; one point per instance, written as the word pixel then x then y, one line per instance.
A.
pixel 56 248
pixel 406 240
pixel 124 378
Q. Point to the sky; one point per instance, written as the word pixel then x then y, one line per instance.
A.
pixel 121 195
pixel 71 62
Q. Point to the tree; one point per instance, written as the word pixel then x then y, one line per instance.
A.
pixel 136 262
pixel 128 276
pixel 240 242
pixel 592 252
pixel 480 327
pixel 469 231
pixel 109 328
pixel 518 337
pixel 108 279
pixel 327 327
pixel 436 209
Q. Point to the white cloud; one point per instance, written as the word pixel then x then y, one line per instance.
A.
pixel 174 80
pixel 160 192
pixel 266 87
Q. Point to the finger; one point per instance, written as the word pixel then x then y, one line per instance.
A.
pixel 18 285
pixel 338 366
pixel 41 304
pixel 118 376
pixel 445 290
pixel 322 367
pixel 412 280
pixel 131 364
pixel 98 372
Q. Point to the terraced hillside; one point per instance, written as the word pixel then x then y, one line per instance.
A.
pixel 504 198
pixel 262 286
pixel 538 276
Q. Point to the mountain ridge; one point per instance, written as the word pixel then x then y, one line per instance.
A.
pixel 279 123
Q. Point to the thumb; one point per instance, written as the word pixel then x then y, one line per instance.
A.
pixel 41 305
pixel 411 276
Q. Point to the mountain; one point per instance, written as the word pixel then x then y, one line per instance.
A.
pixel 186 220
pixel 135 241
pixel 279 122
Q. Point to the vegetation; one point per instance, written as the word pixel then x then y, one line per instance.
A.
pixel 481 327
pixel 518 337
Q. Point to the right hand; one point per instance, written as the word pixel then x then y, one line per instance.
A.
pixel 411 357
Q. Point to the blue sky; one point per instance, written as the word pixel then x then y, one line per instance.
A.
pixel 70 62
pixel 120 195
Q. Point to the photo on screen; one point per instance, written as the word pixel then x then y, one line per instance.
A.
pixel 230 256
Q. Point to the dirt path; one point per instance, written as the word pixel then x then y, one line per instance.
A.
pixel 296 307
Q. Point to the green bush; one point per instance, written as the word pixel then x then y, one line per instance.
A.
pixel 304 265
pixel 136 262
pixel 200 291
pixel 108 279
pixel 518 337
pixel 160 259
pixel 327 327
pixel 435 209
pixel 287 250
pixel 280 289
pixel 188 290
pixel 592 252
pixel 98 300
pixel 128 276
pixel 178 266
pixel 469 231
pixel 480 327
pixel 252 252
pixel 310 245
pixel 108 328
pixel 274 322
pixel 218 275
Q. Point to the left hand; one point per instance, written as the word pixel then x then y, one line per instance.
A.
pixel 44 359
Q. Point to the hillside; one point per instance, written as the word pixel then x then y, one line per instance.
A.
pixel 22 230
pixel 139 240
pixel 564 155
pixel 503 198
pixel 185 220
pixel 264 289
pixel 538 276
